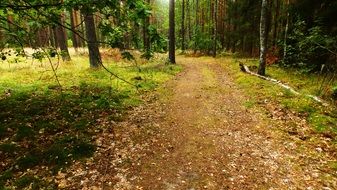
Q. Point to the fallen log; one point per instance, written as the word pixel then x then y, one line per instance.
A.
pixel 246 69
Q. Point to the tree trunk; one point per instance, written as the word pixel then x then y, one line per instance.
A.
pixel 188 9
pixel 183 25
pixel 276 20
pixel 172 57
pixel 286 34
pixel 196 25
pixel 54 30
pixel 80 18
pixel 94 55
pixel 263 38
pixel 146 37
pixel 215 28
pixel 73 28
pixel 1 35
pixel 62 39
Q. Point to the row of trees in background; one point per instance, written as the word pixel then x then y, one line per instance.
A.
pixel 58 23
pixel 298 33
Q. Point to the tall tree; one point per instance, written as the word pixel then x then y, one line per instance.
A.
pixel 196 25
pixel 172 57
pixel 74 36
pixel 276 21
pixel 183 25
pixel 263 38
pixel 62 38
pixel 286 34
pixel 146 35
pixel 94 55
pixel 188 9
pixel 215 28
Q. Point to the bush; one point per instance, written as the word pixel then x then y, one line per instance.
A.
pixel 310 49
pixel 334 93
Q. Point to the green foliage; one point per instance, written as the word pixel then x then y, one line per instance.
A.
pixel 127 55
pixel 117 23
pixel 43 126
pixel 147 54
pixel 24 132
pixel 309 49
pixel 4 176
pixel 203 40
pixel 31 182
pixel 334 92
pixel 9 148
pixel 66 149
pixel 115 35
pixel 158 41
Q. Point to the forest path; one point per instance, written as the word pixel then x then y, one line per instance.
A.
pixel 207 139
pixel 197 132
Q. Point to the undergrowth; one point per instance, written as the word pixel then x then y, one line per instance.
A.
pixel 44 127
pixel 321 118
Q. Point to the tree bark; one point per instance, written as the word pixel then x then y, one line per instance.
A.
pixel 188 9
pixel 286 34
pixel 215 28
pixel 73 28
pixel 183 25
pixel 94 55
pixel 62 39
pixel 263 38
pixel 172 58
pixel 1 35
pixel 196 27
pixel 276 20
pixel 80 22
pixel 146 37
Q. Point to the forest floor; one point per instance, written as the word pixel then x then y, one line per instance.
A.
pixel 196 132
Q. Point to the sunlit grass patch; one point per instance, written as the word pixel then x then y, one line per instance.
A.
pixel 322 119
pixel 209 78
pixel 307 83
pixel 44 124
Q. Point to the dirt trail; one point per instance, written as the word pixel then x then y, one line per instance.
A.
pixel 207 139
pixel 196 133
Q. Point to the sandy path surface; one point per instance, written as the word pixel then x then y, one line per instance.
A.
pixel 196 133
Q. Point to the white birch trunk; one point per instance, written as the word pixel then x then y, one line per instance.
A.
pixel 263 38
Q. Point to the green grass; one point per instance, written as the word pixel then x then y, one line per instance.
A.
pixel 210 81
pixel 322 119
pixel 307 83
pixel 42 124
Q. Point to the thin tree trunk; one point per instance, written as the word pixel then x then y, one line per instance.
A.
pixel 81 19
pixel 146 37
pixel 54 30
pixel 73 28
pixel 196 25
pixel 210 26
pixel 1 35
pixel 62 39
pixel 228 38
pixel 80 28
pixel 234 41
pixel 188 21
pixel 286 34
pixel 215 27
pixel 183 25
pixel 276 20
pixel 94 55
pixel 263 38
pixel 51 37
pixel 172 58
